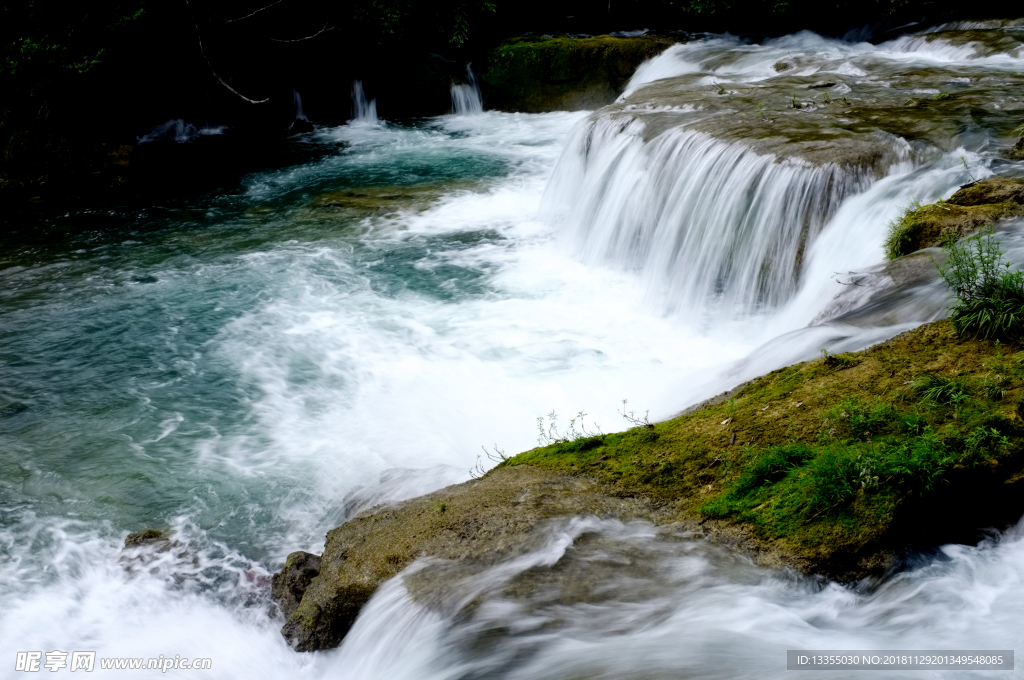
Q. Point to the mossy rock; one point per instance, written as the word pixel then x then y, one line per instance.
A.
pixel 477 524
pixel 289 585
pixel 562 73
pixel 694 472
pixel 146 537
pixel 697 459
pixel 1017 152
pixel 973 207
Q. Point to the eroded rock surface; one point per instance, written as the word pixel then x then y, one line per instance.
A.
pixel 864 109
pixel 290 584
pixel 478 523
pixel 973 207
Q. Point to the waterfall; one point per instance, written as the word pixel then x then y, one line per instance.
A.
pixel 362 111
pixel 299 113
pixel 466 99
pixel 703 221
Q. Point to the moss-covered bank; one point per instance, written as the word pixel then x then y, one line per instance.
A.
pixel 833 466
pixel 537 74
pixel 974 206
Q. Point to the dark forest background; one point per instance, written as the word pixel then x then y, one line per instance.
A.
pixel 81 79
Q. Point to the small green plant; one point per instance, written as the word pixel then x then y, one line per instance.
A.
pixel 572 439
pixel 967 167
pixel 836 361
pixel 853 420
pixel 642 430
pixel 827 100
pixel 941 96
pixel 949 239
pixel 942 391
pixel 989 296
pixel 497 456
pixel 900 236
pixel 984 443
pixel 771 466
pixel 760 110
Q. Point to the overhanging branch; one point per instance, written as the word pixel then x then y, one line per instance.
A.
pixel 308 37
pixel 202 50
pixel 231 21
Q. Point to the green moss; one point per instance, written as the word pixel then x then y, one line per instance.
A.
pixel 546 74
pixel 971 208
pixel 823 456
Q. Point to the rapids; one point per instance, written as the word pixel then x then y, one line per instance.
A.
pixel 252 366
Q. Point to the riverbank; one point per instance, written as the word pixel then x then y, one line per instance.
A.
pixel 837 466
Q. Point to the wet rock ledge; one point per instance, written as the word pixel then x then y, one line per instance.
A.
pixel 973 207
pixel 837 466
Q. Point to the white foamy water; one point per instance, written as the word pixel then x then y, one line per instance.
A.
pixel 466 97
pixel 351 330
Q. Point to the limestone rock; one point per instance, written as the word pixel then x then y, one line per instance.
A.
pixel 289 585
pixel 477 523
pixel 1017 151
pixel 148 537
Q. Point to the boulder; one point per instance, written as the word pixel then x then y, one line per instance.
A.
pixel 973 207
pixel 474 525
pixel 289 585
pixel 1017 151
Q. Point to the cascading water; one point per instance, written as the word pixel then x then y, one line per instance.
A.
pixel 466 98
pixel 702 221
pixel 248 369
pixel 297 99
pixel 362 111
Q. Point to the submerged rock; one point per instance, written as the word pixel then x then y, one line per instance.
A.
pixel 155 538
pixel 143 549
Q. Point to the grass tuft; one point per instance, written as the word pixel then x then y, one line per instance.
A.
pixel 899 236
pixel 989 295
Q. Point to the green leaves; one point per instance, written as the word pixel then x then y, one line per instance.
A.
pixel 989 296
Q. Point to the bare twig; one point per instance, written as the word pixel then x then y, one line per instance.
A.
pixel 247 16
pixel 308 37
pixel 202 50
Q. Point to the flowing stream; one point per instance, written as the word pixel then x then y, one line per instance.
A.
pixel 250 367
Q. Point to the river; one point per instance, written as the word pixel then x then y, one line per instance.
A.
pixel 248 367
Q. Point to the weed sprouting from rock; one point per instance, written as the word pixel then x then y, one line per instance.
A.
pixel 836 361
pixel 642 429
pixel 900 232
pixel 943 391
pixel 497 456
pixel 989 295
pixel 967 167
pixel 572 439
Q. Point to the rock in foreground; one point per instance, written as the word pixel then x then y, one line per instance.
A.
pixel 834 466
pixel 477 523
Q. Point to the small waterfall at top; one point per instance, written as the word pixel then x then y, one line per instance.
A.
pixel 299 113
pixel 704 222
pixel 466 99
pixel 362 111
